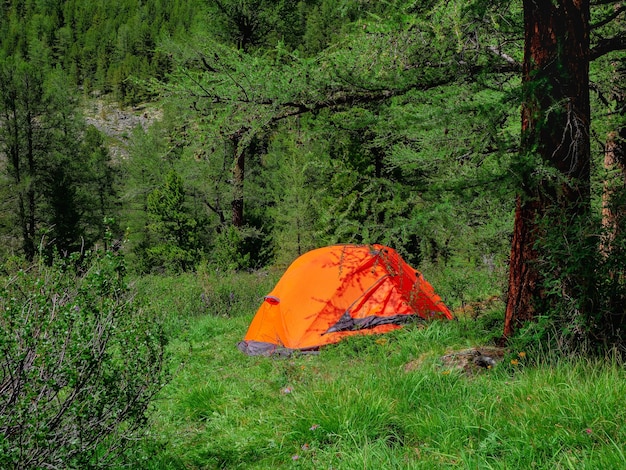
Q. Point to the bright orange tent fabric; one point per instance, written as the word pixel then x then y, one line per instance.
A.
pixel 338 291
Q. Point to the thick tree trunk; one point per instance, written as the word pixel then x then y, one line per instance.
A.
pixel 524 282
pixel 614 161
pixel 555 136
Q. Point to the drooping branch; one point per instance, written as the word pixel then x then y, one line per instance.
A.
pixel 616 12
pixel 604 46
pixel 338 97
pixel 246 95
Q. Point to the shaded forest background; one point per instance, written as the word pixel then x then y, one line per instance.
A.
pixel 406 171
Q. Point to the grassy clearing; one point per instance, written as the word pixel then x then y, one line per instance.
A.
pixel 383 402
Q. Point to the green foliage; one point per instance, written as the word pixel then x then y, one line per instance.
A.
pixel 79 364
pixel 385 401
pixel 255 24
pixel 164 204
pixel 98 45
pixel 58 173
pixel 293 175
pixel 583 277
pixel 100 188
pixel 172 223
pixel 237 249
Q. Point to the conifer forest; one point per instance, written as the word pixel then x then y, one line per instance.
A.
pixel 153 148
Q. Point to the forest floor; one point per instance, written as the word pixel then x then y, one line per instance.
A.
pixel 434 396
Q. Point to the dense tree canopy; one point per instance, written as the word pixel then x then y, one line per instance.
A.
pixel 289 125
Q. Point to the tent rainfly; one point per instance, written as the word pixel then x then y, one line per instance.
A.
pixel 338 291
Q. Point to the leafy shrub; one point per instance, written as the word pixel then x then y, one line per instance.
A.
pixel 240 248
pixel 79 365
pixel 582 274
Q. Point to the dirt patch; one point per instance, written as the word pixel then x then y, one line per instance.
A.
pixel 473 359
pixel 415 363
pixel 474 309
pixel 469 361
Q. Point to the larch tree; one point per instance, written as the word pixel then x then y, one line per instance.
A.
pixel 49 176
pixel 21 98
pixel 552 255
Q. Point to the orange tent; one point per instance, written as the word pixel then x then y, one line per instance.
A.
pixel 338 291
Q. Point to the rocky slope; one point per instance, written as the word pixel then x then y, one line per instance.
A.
pixel 118 124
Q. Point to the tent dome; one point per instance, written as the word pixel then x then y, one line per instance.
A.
pixel 337 291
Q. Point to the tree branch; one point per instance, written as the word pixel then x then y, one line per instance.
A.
pixel 618 11
pixel 604 46
pixel 514 64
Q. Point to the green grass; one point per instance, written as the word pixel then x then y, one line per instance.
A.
pixel 378 402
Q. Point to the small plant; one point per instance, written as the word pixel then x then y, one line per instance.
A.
pixel 79 365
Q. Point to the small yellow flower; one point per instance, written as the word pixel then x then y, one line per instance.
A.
pixel 381 341
pixel 521 354
pixel 446 372
pixel 514 362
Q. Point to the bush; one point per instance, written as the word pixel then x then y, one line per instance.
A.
pixel 581 264
pixel 240 249
pixel 79 365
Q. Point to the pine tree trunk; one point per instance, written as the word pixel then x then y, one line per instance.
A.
pixel 614 159
pixel 555 135
pixel 615 162
pixel 524 283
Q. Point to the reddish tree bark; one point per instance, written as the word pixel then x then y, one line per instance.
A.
pixel 614 159
pixel 555 135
